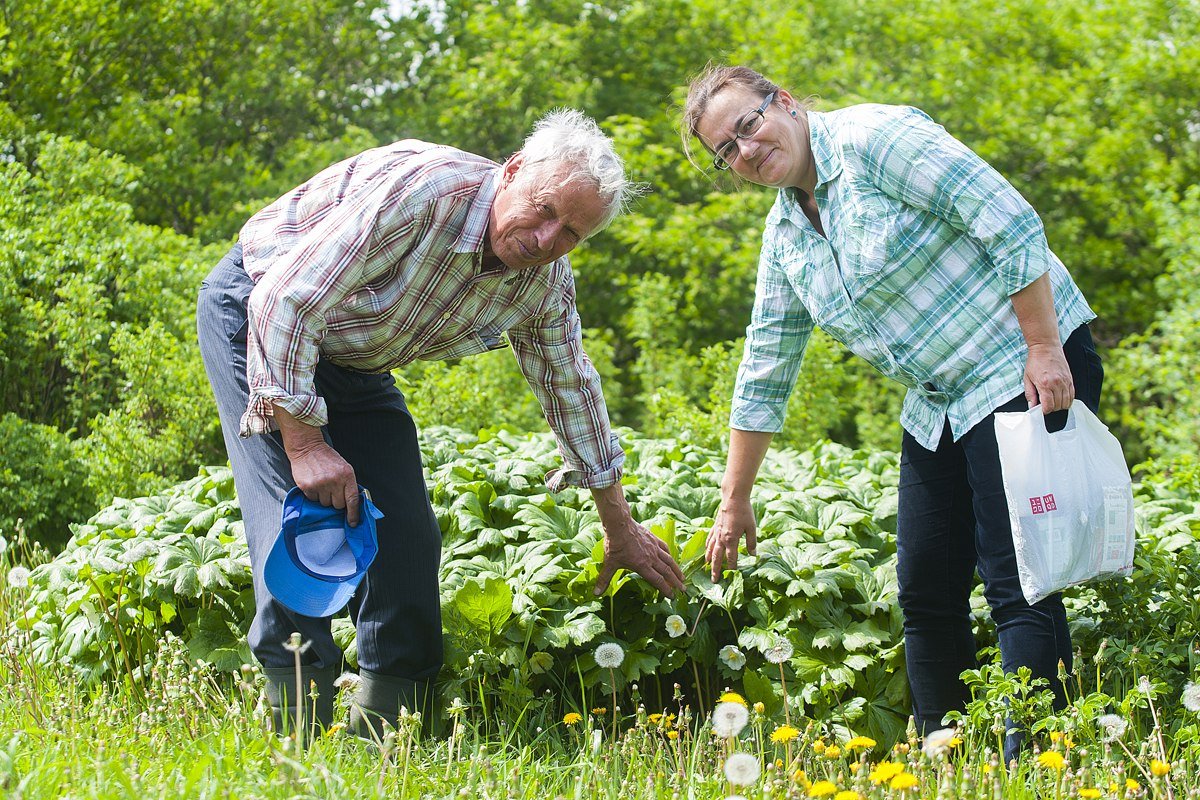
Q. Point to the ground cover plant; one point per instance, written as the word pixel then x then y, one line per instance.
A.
pixel 135 632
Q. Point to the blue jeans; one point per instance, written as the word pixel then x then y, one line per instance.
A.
pixel 952 521
pixel 396 609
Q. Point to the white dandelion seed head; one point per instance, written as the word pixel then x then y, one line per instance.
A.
pixel 1112 726
pixel 676 627
pixel 779 652
pixel 728 719
pixel 1144 685
pixel 609 655
pixel 540 662
pixel 1191 696
pixel 18 577
pixel 742 769
pixel 937 742
pixel 3 545
pixel 734 658
pixel 348 680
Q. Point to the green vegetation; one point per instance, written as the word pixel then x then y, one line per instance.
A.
pixel 136 139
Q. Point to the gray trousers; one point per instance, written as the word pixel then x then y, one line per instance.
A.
pixel 396 610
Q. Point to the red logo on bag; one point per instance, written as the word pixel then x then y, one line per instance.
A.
pixel 1036 504
pixel 1049 501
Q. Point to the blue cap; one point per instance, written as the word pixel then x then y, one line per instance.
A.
pixel 318 560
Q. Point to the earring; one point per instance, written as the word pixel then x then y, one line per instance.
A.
pixel 793 112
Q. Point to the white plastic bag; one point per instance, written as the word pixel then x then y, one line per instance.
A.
pixel 1070 500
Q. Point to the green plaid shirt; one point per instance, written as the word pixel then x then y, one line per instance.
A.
pixel 926 243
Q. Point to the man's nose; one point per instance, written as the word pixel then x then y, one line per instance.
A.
pixel 548 234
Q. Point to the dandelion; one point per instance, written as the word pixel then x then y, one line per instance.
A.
pixel 1144 685
pixel 1090 793
pixel 18 578
pixel 672 735
pixel 1159 768
pixel 1052 759
pixel 779 653
pixel 937 742
pixel 783 734
pixel 572 718
pixel 597 740
pixel 760 708
pixel 818 747
pixel 3 545
pixel 742 769
pixel 904 780
pixel 865 742
pixel 1131 785
pixel 822 789
pixel 833 751
pixel 1112 726
pixel 728 719
pixel 847 795
pixel 732 697
pixel 1191 696
pixel 600 711
pixel 733 657
pixel 609 655
pixel 676 627
pixel 540 662
pixel 333 729
pixel 352 680
pixel 884 771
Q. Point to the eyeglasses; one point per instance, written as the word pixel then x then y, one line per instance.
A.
pixel 746 127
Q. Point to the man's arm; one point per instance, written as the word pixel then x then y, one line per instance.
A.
pixel 320 472
pixel 628 545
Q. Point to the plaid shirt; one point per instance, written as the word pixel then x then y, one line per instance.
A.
pixel 377 261
pixel 926 243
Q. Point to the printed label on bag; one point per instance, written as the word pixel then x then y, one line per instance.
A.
pixel 1049 501
pixel 1116 528
pixel 1036 504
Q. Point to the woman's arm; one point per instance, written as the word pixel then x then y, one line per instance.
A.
pixel 736 516
pixel 1047 376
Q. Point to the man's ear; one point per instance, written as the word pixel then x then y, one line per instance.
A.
pixel 511 167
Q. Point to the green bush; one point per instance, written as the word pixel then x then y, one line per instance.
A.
pixel 41 482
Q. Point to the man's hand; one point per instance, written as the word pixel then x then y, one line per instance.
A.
pixel 734 518
pixel 1048 378
pixel 628 545
pixel 319 470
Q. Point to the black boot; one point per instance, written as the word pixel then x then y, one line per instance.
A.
pixel 379 700
pixel 317 713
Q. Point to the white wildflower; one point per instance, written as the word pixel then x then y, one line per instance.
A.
pixel 742 769
pixel 540 662
pixel 729 718
pixel 1191 696
pixel 18 577
pixel 348 680
pixel 733 658
pixel 780 652
pixel 676 627
pixel 609 655
pixel 1112 726
pixel 937 742
pixel 3 545
pixel 1144 685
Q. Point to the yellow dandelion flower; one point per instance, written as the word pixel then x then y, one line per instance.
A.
pixel 1090 793
pixel 1131 785
pixel 600 711
pixel 884 771
pixel 1056 736
pixel 784 733
pixel 1159 768
pixel 779 763
pixel 905 780
pixel 954 742
pixel 760 708
pixel 655 718
pixel 847 795
pixel 1069 742
pixel 1052 759
pixel 334 728
pixel 855 767
pixel 987 769
pixel 833 751
pixel 732 697
pixel 672 735
pixel 860 741
pixel 822 789
pixel 799 777
pixel 818 747
pixel 571 718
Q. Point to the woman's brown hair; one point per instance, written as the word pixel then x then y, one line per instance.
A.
pixel 714 79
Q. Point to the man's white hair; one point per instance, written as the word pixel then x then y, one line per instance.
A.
pixel 567 136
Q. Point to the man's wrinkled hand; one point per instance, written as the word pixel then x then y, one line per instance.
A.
pixel 639 550
pixel 734 519
pixel 324 476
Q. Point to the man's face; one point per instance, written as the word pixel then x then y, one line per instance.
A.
pixel 536 217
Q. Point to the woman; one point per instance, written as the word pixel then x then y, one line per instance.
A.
pixel 914 253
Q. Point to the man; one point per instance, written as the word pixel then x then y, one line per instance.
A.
pixel 408 251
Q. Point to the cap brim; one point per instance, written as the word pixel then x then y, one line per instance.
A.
pixel 301 592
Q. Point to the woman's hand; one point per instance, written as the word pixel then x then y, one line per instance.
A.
pixel 1048 378
pixel 734 518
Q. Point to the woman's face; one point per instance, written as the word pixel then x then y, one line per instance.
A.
pixel 777 154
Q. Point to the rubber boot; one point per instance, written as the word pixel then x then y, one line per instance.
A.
pixel 378 702
pixel 317 713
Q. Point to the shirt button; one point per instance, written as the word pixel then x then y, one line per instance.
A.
pixel 445 316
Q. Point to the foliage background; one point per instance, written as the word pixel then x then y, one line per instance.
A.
pixel 135 140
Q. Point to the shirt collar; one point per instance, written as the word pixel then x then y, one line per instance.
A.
pixel 475 227
pixel 826 159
